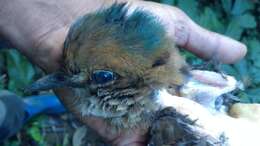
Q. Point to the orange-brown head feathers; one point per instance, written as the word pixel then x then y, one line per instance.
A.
pixel 132 45
pixel 114 60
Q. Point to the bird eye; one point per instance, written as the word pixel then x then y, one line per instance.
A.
pixel 103 76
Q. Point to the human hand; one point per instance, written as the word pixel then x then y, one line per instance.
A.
pixel 42 41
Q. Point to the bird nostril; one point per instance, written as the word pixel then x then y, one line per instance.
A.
pixel 93 89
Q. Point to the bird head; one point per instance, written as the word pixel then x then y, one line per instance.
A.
pixel 117 54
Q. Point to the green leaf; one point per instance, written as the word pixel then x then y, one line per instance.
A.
pixel 12 143
pixel 1 83
pixel 169 2
pixel 241 6
pixel 20 71
pixel 242 68
pixel 227 5
pixel 228 69
pixel 191 58
pixel 246 21
pixel 190 7
pixel 253 56
pixel 209 20
pixel 2 70
pixel 254 75
pixel 234 30
pixel 35 133
pixel 254 50
pixel 244 97
pixel 254 95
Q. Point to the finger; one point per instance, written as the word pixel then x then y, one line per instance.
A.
pixel 192 37
pixel 204 43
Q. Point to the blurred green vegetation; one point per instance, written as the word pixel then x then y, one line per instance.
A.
pixel 239 19
pixel 16 73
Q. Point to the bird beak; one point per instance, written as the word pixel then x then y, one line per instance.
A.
pixel 53 81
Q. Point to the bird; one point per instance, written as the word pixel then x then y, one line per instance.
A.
pixel 114 61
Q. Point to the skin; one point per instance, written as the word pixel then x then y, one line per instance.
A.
pixel 37 28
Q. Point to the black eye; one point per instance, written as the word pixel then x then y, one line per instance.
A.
pixel 161 60
pixel 103 76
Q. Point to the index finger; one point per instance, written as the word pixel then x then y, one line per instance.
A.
pixel 204 43
pixel 192 37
